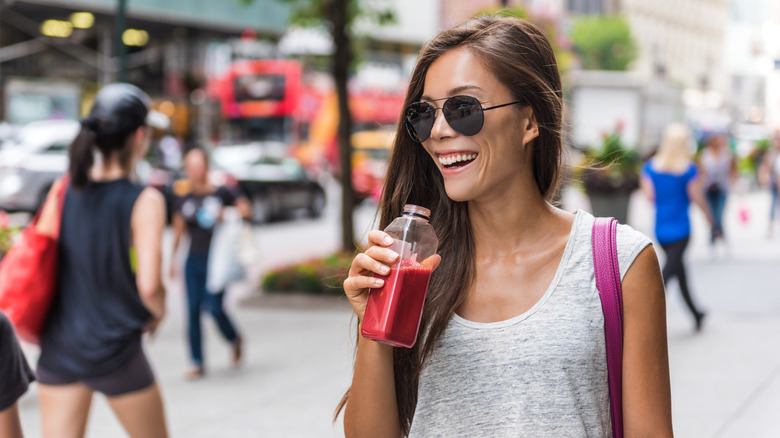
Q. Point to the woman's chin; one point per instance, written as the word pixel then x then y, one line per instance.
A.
pixel 458 194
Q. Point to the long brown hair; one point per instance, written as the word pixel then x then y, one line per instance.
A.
pixel 521 57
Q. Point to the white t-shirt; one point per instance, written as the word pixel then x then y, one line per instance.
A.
pixel 540 374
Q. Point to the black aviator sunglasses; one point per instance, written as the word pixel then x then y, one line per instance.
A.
pixel 463 113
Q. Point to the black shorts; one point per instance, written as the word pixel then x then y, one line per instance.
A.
pixel 134 375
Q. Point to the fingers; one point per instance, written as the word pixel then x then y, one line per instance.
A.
pixel 380 238
pixel 361 282
pixel 432 261
pixel 386 255
pixel 375 261
pixel 363 264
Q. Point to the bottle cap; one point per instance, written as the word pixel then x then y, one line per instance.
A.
pixel 416 211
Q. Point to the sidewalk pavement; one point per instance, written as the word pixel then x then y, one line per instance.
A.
pixel 725 380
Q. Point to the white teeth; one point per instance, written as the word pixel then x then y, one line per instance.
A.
pixel 448 161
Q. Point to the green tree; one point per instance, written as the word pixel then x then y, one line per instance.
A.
pixel 604 43
pixel 338 17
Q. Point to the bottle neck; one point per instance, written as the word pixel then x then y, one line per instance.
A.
pixel 413 215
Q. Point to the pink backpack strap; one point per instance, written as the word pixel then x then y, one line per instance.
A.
pixel 605 264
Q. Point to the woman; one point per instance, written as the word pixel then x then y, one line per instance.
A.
pixel 15 378
pixel 671 180
pixel 769 175
pixel 719 171
pixel 512 334
pixel 109 284
pixel 196 213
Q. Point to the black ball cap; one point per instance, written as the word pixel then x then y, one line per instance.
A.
pixel 118 109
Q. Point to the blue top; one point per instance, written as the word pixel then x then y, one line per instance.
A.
pixel 672 221
pixel 96 319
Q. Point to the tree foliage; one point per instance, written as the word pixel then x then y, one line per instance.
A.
pixel 604 43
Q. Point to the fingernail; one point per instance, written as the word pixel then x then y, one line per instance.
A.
pixel 378 282
pixel 388 240
pixel 384 269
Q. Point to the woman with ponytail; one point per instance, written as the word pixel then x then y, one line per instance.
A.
pixel 109 289
pixel 511 338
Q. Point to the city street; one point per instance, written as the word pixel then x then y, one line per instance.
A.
pixel 725 380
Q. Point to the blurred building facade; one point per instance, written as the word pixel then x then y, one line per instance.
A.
pixel 683 40
pixel 62 47
pixel 753 53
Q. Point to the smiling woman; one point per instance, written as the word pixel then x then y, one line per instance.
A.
pixel 512 331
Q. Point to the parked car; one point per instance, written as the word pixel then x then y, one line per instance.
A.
pixel 276 185
pixel 32 160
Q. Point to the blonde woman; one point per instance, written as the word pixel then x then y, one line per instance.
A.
pixel 671 180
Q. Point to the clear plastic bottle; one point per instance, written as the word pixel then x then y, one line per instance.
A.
pixel 393 311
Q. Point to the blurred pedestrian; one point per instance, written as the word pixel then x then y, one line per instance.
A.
pixel 671 180
pixel 109 286
pixel 769 175
pixel 15 378
pixel 719 172
pixel 196 213
pixel 512 333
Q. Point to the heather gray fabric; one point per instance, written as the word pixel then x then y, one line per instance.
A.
pixel 539 374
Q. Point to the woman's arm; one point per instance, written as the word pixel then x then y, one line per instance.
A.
pixel 646 185
pixel 647 406
pixel 371 409
pixel 696 194
pixel 733 169
pixel 10 425
pixel 244 207
pixel 147 223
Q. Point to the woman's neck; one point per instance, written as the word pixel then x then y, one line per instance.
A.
pixel 510 220
pixel 201 186
pixel 109 170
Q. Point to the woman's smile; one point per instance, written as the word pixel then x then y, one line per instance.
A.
pixel 455 161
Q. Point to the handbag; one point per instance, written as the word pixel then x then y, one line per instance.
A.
pixel 224 265
pixel 28 273
pixel 605 264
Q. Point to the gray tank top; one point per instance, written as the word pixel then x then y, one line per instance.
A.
pixel 540 374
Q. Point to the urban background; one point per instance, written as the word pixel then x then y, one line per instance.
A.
pixel 298 102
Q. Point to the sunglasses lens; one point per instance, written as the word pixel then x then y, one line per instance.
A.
pixel 464 114
pixel 419 120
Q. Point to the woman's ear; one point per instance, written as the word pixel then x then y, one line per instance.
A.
pixel 531 130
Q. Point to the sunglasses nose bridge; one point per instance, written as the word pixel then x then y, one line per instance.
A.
pixel 437 129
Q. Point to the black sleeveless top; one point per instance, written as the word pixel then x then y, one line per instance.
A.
pixel 95 322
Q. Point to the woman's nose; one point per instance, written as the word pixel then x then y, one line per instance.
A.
pixel 441 128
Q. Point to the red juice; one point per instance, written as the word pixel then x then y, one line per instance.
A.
pixel 393 311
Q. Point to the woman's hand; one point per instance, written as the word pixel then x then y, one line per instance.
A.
pixel 152 325
pixel 375 261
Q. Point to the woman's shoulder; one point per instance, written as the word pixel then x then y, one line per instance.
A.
pixel 149 201
pixel 6 327
pixel 630 242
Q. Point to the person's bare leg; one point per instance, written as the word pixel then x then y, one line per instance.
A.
pixel 141 413
pixel 64 410
pixel 10 425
